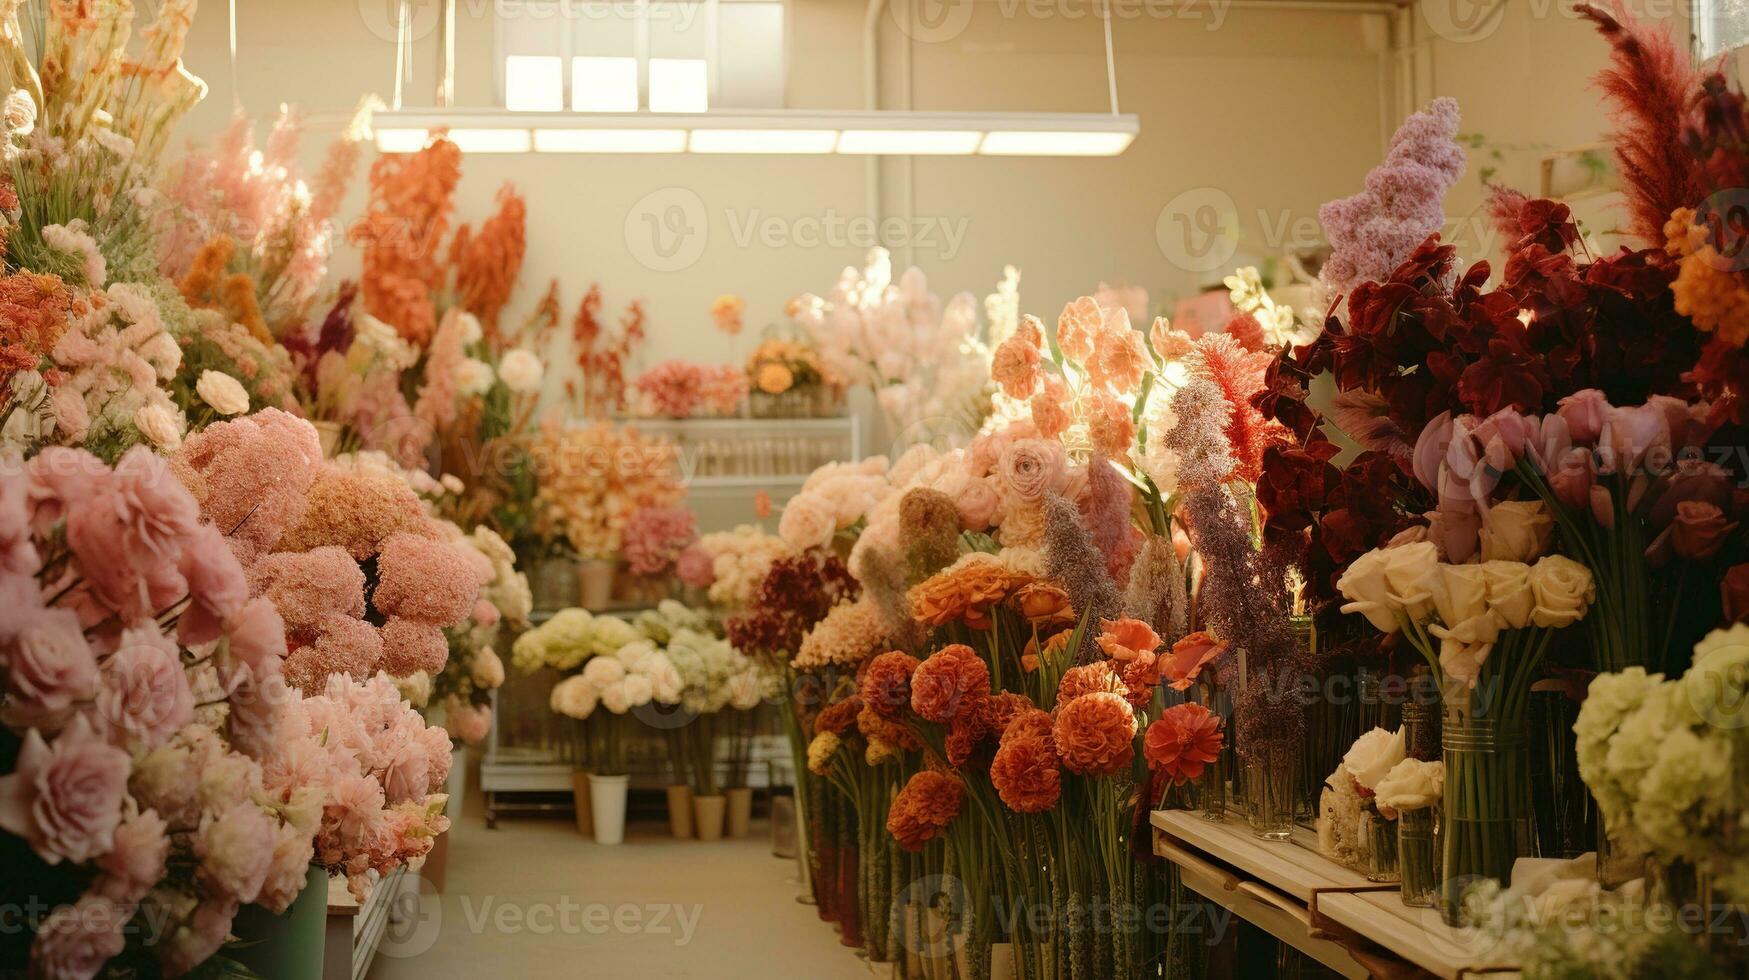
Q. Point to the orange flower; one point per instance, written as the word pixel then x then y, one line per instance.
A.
pixel 1078 328
pixel 1185 739
pixel 1044 604
pixel 1015 365
pixel 923 809
pixel 950 681
pixel 1121 359
pixel 1026 773
pixel 1189 656
pixel 487 264
pixel 1110 426
pixel 964 592
pixel 1094 678
pixel 761 504
pixel 1170 344
pixel 1125 640
pixel 1095 734
pixel 774 378
pixel 886 684
pixel 726 313
pixel 1050 412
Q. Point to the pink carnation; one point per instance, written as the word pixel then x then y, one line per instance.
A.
pixel 48 668
pixel 75 941
pixel 60 478
pixel 145 696
pixel 217 588
pixel 136 864
pixel 235 849
pixel 65 799
pixel 129 535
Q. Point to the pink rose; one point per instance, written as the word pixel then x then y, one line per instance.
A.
pixel 17 551
pixel 217 589
pixel 1635 436
pixel 977 504
pixel 199 938
pixel 145 695
pixel 1430 449
pixel 1028 468
pixel 236 849
pixel 48 669
pixel 1692 479
pixel 1585 413
pixel 136 864
pixel 75 941
pixel 1573 478
pixel 65 799
pixel 61 478
pixel 1699 530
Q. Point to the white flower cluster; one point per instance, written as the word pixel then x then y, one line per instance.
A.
pixel 715 674
pixel 629 677
pixel 569 638
pixel 1661 757
pixel 740 560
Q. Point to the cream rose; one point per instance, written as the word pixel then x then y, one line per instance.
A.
pixel 1563 589
pixel 808 521
pixel 1464 647
pixel 1509 594
pixel 160 427
pixel 1516 530
pixel 1364 584
pixel 223 392
pixel 1373 755
pixel 1411 785
pixel 521 370
pixel 1460 592
pixel 1412 572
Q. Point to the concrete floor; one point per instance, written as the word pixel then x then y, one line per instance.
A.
pixel 535 899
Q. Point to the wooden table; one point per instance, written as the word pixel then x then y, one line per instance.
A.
pixel 1329 912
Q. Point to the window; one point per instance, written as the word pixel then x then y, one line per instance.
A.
pixel 1721 25
pixel 626 55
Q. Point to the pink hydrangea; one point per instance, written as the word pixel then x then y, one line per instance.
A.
pixel 696 567
pixel 356 509
pixel 308 587
pixel 426 580
pixel 343 646
pixel 655 538
pixel 410 646
pixel 251 474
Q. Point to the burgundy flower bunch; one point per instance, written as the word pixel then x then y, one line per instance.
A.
pixel 797 593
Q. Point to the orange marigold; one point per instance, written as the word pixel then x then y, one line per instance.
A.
pixel 1026 772
pixel 964 591
pixel 1088 679
pixel 950 681
pixel 886 684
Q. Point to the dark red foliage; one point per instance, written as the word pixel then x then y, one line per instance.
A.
pixel 797 593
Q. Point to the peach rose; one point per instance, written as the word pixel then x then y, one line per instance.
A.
pixel 1126 640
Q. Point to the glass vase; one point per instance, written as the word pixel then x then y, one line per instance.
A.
pixel 1269 797
pixel 1417 857
pixel 1487 811
pixel 1213 795
pixel 1380 836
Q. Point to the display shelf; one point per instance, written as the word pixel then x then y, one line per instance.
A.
pixel 356 929
pixel 1327 911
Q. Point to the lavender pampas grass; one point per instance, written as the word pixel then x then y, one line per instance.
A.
pixel 1109 499
pixel 1072 560
pixel 1156 593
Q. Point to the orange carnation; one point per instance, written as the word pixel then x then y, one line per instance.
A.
pixel 1088 679
pixel 964 591
pixel 924 808
pixel 1110 426
pixel 1095 734
pixel 1122 358
pixel 1078 328
pixel 1050 411
pixel 951 680
pixel 1026 773
pixel 1015 364
pixel 886 685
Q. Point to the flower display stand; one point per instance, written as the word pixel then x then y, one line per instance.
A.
pixel 356 929
pixel 1333 914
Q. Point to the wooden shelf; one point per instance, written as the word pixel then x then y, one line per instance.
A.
pixel 1323 909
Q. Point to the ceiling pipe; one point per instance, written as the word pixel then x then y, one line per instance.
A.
pixel 871 99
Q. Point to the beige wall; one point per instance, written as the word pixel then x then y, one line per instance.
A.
pixel 1275 111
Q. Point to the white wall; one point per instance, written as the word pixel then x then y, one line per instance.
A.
pixel 1275 111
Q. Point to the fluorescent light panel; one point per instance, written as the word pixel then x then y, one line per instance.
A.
pixel 916 142
pixel 1065 143
pixel 610 140
pixel 679 85
pixel 534 83
pixel 401 140
pixel 784 141
pixel 604 84
pixel 491 140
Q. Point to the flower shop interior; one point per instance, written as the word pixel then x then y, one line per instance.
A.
pixel 924 489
